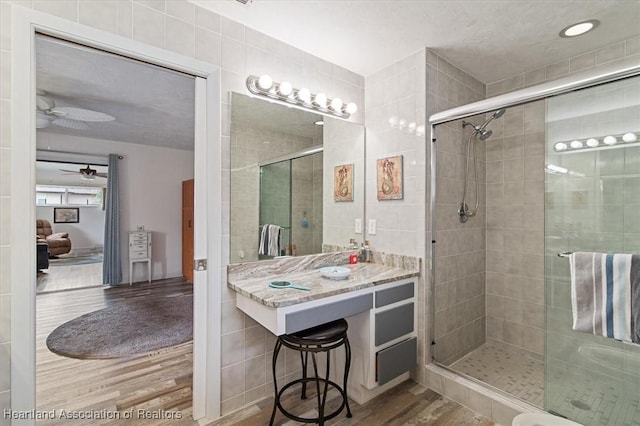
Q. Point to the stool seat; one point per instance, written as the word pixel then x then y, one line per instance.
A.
pixel 320 334
pixel 319 339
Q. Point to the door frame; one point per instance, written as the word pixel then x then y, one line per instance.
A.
pixel 208 195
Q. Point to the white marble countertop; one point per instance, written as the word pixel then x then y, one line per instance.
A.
pixel 362 275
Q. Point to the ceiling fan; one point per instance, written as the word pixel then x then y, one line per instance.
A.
pixel 86 173
pixel 70 117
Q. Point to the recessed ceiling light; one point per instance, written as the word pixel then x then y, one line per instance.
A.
pixel 319 123
pixel 579 28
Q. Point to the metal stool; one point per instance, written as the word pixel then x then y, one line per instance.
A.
pixel 322 338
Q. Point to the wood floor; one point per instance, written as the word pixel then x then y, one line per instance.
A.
pixel 115 387
pixel 144 386
pixel 406 404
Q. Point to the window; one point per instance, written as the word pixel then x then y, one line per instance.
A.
pixel 70 196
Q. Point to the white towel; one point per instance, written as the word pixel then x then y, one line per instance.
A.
pixel 605 294
pixel 270 240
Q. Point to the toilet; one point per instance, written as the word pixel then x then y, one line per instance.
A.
pixel 541 419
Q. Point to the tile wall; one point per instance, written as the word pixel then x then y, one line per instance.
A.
pixel 395 121
pixel 192 31
pixel 460 248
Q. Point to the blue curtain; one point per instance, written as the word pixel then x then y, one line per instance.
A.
pixel 111 265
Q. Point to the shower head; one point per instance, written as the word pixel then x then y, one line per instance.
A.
pixel 483 135
pixel 499 113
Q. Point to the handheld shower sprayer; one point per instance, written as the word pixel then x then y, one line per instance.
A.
pixel 482 133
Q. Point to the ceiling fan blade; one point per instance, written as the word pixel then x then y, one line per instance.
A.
pixel 102 175
pixel 70 123
pixel 69 171
pixel 83 114
pixel 44 103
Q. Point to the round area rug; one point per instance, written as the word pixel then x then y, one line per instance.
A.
pixel 125 329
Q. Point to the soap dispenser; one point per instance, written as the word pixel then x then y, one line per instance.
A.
pixel 367 252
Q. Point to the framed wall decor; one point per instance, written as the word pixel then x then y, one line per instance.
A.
pixel 389 173
pixel 66 215
pixel 343 182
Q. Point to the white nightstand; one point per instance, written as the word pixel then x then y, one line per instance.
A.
pixel 139 251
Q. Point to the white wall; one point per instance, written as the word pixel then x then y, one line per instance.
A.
pixel 87 234
pixel 150 195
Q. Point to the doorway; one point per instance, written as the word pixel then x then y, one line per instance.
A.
pixel 207 157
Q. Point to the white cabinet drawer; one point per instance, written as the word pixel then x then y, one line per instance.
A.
pixel 138 247
pixel 139 254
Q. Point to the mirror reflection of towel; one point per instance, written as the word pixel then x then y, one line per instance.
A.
pixel 270 240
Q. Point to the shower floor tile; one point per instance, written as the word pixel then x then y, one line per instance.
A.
pixel 507 369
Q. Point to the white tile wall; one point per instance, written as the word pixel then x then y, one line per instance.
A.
pixel 192 31
pixel 395 98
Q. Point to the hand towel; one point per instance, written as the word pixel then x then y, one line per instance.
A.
pixel 263 248
pixel 605 294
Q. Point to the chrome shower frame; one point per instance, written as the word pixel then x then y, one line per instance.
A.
pixel 557 87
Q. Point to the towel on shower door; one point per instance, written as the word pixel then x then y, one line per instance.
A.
pixel 605 294
pixel 270 240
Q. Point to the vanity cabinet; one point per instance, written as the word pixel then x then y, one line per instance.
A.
pixel 384 339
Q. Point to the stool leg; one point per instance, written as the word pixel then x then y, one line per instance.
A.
pixel 304 357
pixel 320 406
pixel 276 397
pixel 347 350
pixel 326 385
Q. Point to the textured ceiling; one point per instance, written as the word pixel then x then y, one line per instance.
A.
pixel 490 40
pixel 152 105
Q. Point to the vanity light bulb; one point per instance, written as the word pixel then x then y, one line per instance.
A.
pixel 351 108
pixel 420 130
pixel 560 146
pixel 321 100
pixel 629 137
pixel 610 140
pixel 576 144
pixel 285 89
pixel 412 127
pixel 592 142
pixel 336 104
pixel 304 95
pixel 265 82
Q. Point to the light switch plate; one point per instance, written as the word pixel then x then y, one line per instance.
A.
pixel 372 227
pixel 358 226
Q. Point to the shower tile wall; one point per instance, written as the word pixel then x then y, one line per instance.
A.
pixel 249 146
pixel 515 284
pixel 460 250
pixel 515 228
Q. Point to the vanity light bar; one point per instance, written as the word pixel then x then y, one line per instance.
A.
pixel 607 141
pixel 265 86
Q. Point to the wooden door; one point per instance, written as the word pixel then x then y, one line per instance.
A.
pixel 187 230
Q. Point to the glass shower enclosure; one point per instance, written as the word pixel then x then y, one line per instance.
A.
pixel 559 173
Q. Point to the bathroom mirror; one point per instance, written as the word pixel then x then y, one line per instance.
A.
pixel 299 171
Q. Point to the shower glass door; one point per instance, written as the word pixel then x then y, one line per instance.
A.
pixel 275 200
pixel 592 203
